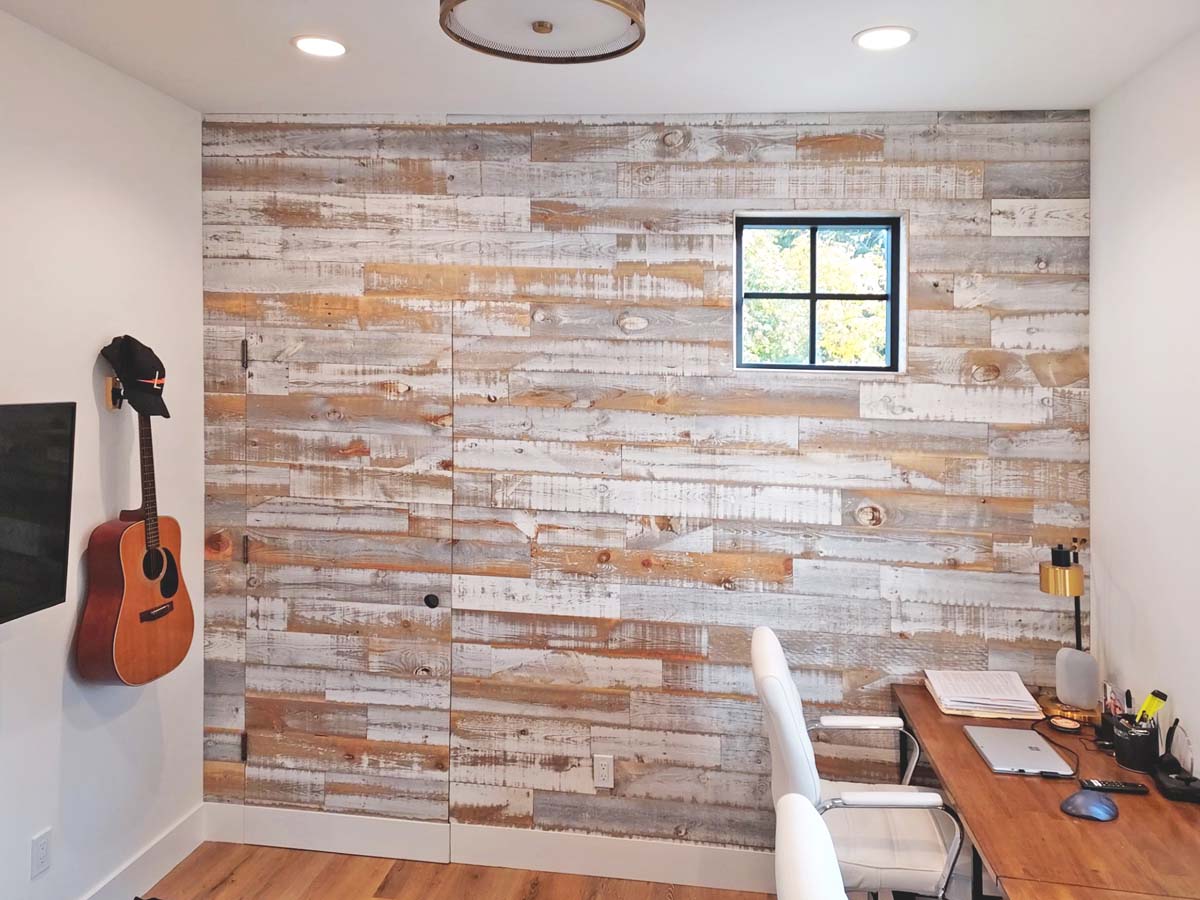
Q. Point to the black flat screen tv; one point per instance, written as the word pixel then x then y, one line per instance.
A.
pixel 37 450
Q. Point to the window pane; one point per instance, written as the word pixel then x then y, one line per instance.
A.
pixel 852 259
pixel 775 331
pixel 851 332
pixel 775 260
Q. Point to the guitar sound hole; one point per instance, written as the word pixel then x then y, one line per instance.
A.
pixel 152 564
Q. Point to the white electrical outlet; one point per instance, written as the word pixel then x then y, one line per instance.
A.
pixel 602 770
pixel 39 854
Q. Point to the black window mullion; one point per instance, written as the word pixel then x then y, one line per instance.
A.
pixel 812 294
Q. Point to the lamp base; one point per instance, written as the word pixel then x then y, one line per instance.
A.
pixel 1077 678
pixel 1052 706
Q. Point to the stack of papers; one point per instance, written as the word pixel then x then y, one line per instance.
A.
pixel 995 695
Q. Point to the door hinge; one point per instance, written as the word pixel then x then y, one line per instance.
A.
pixel 245 746
pixel 245 548
pixel 245 354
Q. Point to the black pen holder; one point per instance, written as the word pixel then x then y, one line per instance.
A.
pixel 1136 745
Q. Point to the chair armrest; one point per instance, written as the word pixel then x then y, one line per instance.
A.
pixel 886 800
pixel 874 723
pixel 861 723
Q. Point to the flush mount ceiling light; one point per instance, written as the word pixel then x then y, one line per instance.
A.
pixel 884 37
pixel 318 46
pixel 547 31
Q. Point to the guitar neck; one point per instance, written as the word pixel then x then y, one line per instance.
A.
pixel 149 499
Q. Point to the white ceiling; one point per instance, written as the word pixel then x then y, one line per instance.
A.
pixel 233 56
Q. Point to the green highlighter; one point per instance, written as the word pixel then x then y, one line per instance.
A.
pixel 1150 706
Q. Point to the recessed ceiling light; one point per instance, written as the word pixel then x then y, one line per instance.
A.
pixel 885 37
pixel 318 46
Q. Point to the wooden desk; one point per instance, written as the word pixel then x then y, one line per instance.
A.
pixel 1015 889
pixel 1151 849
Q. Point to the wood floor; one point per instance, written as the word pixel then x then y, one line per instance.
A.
pixel 241 872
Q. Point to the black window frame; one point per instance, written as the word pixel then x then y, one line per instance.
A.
pixel 813 297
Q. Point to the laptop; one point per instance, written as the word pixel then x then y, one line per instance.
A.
pixel 1016 751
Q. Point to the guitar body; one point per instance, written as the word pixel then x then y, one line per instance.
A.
pixel 138 621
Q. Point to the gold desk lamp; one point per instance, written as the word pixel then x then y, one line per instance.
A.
pixel 1077 674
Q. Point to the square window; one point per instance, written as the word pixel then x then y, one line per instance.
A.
pixel 818 293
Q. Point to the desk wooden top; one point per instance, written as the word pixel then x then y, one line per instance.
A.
pixel 1152 848
pixel 1015 889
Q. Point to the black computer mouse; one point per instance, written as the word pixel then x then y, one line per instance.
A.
pixel 1090 805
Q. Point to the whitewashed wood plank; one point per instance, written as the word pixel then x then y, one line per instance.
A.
pixel 559 667
pixel 699 215
pixel 852 606
pixel 341 176
pixel 1037 179
pixel 1062 444
pixel 658 747
pixel 1003 142
pixel 1022 293
pixel 955 403
pixel 459 247
pixel 568 493
pixel 1046 331
pixel 535 597
pixel 777 503
pixel 536 456
pixel 359 139
pixel 1000 255
pixel 577 320
pixel 274 276
pixel 753 181
pixel 1045 218
pixel 622 426
pixel 544 354
pixel 833 470
pixel 520 735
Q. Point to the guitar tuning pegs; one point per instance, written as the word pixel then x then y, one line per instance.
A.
pixel 114 394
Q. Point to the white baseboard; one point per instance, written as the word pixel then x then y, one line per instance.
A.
pixel 301 829
pixel 155 860
pixel 637 859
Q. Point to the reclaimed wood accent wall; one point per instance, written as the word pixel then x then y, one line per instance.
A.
pixel 493 361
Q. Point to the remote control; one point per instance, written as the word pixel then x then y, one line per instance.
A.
pixel 1114 787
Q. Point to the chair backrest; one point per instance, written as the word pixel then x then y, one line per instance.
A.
pixel 793 765
pixel 806 864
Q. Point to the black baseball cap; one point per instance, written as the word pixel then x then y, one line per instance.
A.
pixel 142 374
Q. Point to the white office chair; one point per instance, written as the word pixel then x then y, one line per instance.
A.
pixel 887 837
pixel 809 869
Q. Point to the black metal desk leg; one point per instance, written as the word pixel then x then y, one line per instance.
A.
pixel 977 878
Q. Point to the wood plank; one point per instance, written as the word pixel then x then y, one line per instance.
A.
pixel 754 181
pixel 337 141
pixel 1046 218
pixel 340 175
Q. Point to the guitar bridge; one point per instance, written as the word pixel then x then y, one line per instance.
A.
pixel 158 612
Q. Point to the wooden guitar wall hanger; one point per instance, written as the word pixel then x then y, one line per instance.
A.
pixel 137 620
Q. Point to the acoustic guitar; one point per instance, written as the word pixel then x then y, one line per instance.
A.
pixel 137 620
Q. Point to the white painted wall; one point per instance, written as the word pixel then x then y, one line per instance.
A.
pixel 1146 388
pixel 99 235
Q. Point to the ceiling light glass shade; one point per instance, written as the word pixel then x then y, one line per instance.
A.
pixel 547 31
pixel 318 46
pixel 885 37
